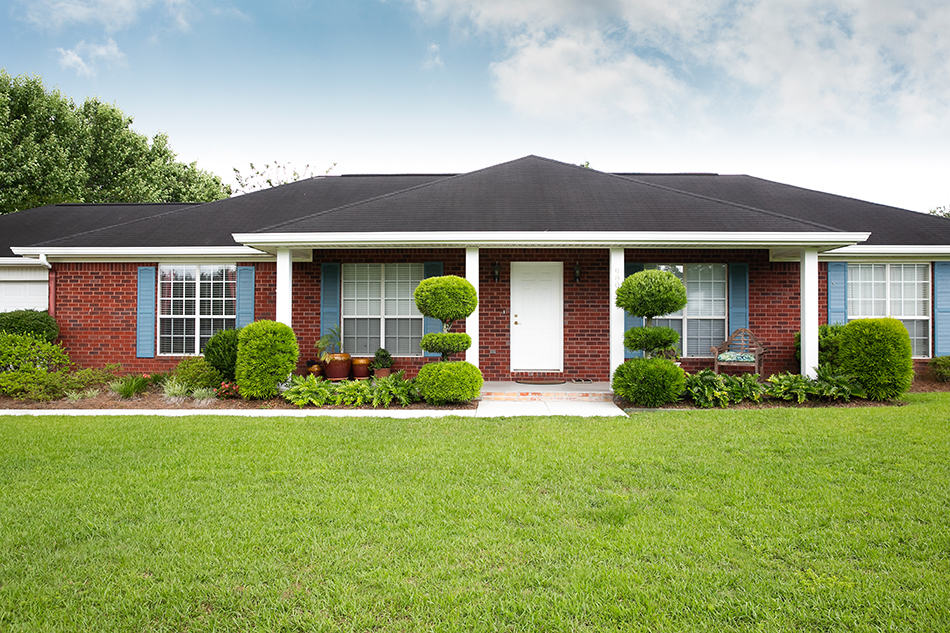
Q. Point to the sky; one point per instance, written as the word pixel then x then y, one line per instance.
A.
pixel 850 97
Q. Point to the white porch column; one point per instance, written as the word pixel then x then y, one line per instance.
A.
pixel 471 323
pixel 285 286
pixel 616 314
pixel 809 315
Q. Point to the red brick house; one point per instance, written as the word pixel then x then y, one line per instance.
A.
pixel 545 243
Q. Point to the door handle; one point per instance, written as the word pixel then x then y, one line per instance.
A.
pixel 516 323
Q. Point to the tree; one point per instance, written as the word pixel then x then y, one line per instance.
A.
pixel 53 151
pixel 943 211
pixel 271 175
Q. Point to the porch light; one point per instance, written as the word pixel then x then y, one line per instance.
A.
pixel 496 271
pixel 577 272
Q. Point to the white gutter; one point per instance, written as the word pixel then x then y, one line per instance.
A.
pixel 889 250
pixel 590 239
pixel 129 253
pixel 44 261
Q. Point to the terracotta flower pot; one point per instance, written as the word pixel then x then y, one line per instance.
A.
pixel 361 368
pixel 338 367
pixel 382 372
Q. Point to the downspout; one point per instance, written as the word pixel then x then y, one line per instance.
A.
pixel 51 286
pixel 45 262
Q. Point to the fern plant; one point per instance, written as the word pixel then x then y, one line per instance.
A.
pixel 308 389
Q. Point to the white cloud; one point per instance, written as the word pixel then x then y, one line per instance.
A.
pixel 85 57
pixel 433 58
pixel 800 63
pixel 113 15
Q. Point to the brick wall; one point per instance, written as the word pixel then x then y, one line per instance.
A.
pixel 96 305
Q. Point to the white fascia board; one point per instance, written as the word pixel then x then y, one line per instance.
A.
pixel 133 254
pixel 590 239
pixel 21 261
pixel 890 251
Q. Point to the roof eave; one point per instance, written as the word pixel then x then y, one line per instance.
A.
pixel 134 254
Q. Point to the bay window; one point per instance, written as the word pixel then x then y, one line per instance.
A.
pixel 379 309
pixel 900 291
pixel 194 302
pixel 702 323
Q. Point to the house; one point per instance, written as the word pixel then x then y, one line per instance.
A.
pixel 545 244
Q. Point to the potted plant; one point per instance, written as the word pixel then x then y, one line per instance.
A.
pixel 382 363
pixel 315 367
pixel 361 367
pixel 336 363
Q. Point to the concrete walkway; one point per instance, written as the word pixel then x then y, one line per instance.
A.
pixel 486 409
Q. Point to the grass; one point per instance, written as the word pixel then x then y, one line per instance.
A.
pixel 764 520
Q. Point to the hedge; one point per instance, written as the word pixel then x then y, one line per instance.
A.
pixel 35 322
pixel 649 382
pixel 221 352
pixel 445 382
pixel 267 354
pixel 877 352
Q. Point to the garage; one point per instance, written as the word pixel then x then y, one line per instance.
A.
pixel 24 286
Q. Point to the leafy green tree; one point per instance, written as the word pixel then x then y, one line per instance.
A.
pixel 943 211
pixel 53 151
pixel 271 175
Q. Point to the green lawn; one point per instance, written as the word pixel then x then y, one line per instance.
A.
pixel 765 520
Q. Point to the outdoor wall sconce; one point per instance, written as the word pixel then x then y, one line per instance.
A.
pixel 496 272
pixel 577 273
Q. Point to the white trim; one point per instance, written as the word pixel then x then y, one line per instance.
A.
pixel 381 316
pixel 578 239
pixel 284 294
pixel 196 317
pixel 936 250
pixel 123 253
pixel 615 331
pixel 20 261
pixel 809 312
pixel 471 323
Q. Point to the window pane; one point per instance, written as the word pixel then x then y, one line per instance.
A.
pixel 361 289
pixel 361 336
pixel 403 336
pixel 867 290
pixel 910 290
pixel 176 336
pixel 209 327
pixel 919 330
pixel 701 334
pixel 706 290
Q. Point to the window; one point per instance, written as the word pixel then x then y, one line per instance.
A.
pixel 901 291
pixel 378 306
pixel 194 302
pixel 702 323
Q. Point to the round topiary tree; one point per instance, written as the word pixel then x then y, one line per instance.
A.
pixel 448 298
pixel 878 353
pixel 649 294
pixel 267 354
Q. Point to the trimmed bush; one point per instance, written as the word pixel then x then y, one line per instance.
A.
pixel 445 382
pixel 447 298
pixel 21 352
pixel 195 373
pixel 35 322
pixel 221 352
pixel 941 368
pixel 650 339
pixel 649 382
pixel 267 354
pixel 829 340
pixel 445 343
pixel 382 359
pixel 651 293
pixel 877 352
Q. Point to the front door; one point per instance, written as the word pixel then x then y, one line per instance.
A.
pixel 537 316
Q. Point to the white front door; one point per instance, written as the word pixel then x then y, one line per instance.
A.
pixel 537 316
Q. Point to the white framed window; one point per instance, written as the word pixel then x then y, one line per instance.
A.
pixel 901 291
pixel 379 310
pixel 194 302
pixel 702 323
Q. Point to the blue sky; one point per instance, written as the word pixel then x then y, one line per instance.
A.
pixel 849 97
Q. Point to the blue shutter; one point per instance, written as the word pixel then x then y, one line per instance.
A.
pixel 145 314
pixel 630 321
pixel 429 325
pixel 941 308
pixel 738 296
pixel 244 310
pixel 837 293
pixel 329 298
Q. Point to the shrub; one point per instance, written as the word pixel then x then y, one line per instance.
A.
pixel 351 393
pixel 829 341
pixel 877 352
pixel 448 298
pixel 789 386
pixel 652 340
pixel 706 389
pixel 203 395
pixel 308 389
pixel 19 352
pixel 227 390
pixel 941 368
pixel 445 343
pixel 129 386
pixel 195 372
pixel 84 379
pixel 221 352
pixel 267 354
pixel 35 322
pixel 651 293
pixel 649 382
pixel 444 382
pixel 831 383
pixel 382 359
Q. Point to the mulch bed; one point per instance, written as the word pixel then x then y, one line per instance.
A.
pixel 155 400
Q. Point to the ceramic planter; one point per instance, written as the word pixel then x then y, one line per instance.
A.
pixel 361 368
pixel 337 367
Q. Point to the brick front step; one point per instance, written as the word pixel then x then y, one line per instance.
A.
pixel 508 396
pixel 512 392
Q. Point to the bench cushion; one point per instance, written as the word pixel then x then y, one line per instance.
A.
pixel 737 357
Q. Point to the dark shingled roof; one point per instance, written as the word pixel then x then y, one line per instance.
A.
pixel 539 194
pixel 212 223
pixel 24 228
pixel 528 194
pixel 888 225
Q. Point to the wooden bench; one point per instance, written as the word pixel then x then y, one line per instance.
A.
pixel 742 341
